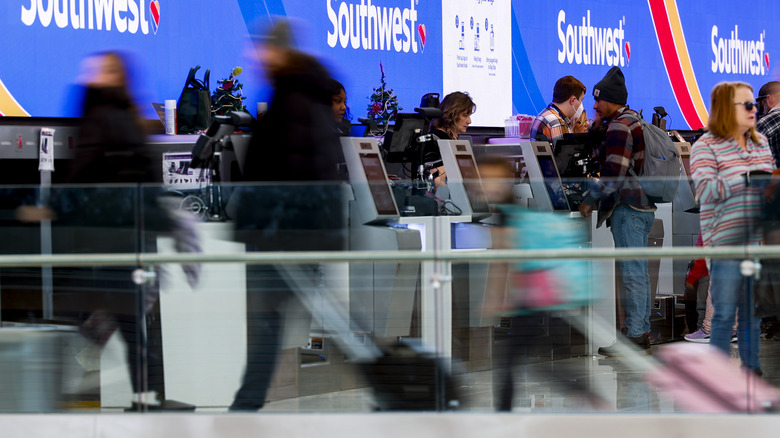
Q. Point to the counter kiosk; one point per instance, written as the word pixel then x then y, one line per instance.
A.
pixel 381 294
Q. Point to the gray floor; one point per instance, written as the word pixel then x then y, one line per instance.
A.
pixel 620 386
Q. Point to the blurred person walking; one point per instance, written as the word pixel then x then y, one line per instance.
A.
pixel 109 212
pixel 294 153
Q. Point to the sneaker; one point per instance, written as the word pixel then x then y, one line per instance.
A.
pixel 699 336
pixel 734 336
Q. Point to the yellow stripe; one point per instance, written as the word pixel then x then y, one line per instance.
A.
pixel 685 60
pixel 9 107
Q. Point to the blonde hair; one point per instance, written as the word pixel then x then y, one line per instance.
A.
pixel 723 112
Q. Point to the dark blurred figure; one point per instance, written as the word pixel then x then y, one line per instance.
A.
pixel 100 217
pixel 294 148
pixel 111 146
pixel 769 119
pixel 340 109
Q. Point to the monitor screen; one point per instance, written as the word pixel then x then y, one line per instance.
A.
pixel 471 183
pixel 553 182
pixel 377 184
pixel 358 130
pixel 400 143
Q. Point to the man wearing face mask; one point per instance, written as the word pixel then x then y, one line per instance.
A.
pixel 565 110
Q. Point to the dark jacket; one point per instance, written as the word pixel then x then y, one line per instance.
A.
pixel 296 140
pixel 107 210
pixel 295 151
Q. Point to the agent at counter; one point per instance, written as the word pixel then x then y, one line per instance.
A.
pixel 560 116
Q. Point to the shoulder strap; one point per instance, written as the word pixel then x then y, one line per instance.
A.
pixel 642 122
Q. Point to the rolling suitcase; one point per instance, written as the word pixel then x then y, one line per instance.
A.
pixel 704 379
pixel 403 376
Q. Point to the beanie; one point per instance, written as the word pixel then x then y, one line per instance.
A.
pixel 612 87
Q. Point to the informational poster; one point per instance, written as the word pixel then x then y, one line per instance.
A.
pixel 477 54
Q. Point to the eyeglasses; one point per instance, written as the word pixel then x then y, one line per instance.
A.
pixel 748 105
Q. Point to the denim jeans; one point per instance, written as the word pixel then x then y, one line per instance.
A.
pixel 630 229
pixel 731 292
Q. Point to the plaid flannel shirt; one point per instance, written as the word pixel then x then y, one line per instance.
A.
pixel 622 143
pixel 550 124
pixel 769 125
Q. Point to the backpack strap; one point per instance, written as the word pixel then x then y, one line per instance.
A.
pixel 638 119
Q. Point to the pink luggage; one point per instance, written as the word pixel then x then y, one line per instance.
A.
pixel 704 379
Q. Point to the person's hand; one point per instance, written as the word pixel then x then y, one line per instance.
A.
pixel 585 210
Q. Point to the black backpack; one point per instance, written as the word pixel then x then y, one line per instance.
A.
pixel 193 112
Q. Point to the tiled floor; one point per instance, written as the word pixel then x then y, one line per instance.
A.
pixel 619 384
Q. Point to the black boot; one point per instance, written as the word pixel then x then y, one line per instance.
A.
pixel 642 342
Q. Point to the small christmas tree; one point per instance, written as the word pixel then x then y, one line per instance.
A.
pixel 227 96
pixel 383 103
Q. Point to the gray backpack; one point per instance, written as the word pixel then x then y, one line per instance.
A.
pixel 660 176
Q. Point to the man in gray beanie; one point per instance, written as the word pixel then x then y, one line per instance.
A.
pixel 621 202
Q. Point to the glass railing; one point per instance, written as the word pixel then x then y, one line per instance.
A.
pixel 285 298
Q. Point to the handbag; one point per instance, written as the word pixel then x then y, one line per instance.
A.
pixel 193 110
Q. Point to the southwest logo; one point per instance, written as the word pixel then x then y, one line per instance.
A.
pixel 125 16
pixel 154 8
pixel 366 26
pixel 735 55
pixel 592 45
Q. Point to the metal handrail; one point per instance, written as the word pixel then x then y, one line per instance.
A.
pixel 276 257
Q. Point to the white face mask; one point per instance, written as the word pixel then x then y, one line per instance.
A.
pixel 577 113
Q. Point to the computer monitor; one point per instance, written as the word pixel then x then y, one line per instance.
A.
pixel 548 191
pixel 552 182
pixel 401 143
pixel 572 156
pixel 358 130
pixel 368 177
pixel 463 178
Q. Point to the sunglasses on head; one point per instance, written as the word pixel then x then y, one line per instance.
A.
pixel 748 105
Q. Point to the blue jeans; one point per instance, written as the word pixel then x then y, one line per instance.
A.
pixel 731 292
pixel 630 229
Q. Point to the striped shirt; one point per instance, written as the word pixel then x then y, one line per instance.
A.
pixel 550 124
pixel 728 207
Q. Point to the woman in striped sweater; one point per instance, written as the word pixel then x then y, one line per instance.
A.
pixel 721 160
